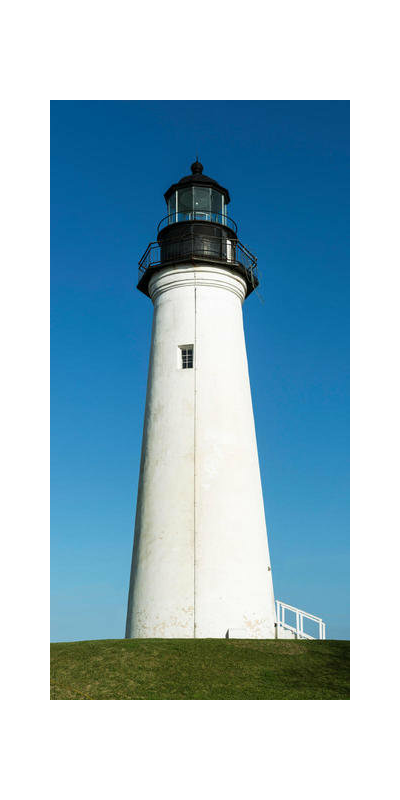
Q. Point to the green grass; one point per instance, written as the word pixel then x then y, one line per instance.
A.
pixel 200 669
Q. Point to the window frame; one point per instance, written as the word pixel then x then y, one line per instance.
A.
pixel 186 356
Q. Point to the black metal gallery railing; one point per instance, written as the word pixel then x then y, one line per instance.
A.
pixel 197 216
pixel 211 248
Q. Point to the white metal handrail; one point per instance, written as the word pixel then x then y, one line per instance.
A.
pixel 300 615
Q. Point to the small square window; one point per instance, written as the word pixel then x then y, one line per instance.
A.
pixel 186 359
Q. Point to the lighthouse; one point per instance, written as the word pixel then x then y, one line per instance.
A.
pixel 200 565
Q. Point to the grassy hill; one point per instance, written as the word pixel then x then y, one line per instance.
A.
pixel 200 669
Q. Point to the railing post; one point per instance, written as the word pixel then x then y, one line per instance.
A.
pixel 297 624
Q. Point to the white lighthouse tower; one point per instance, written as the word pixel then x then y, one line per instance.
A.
pixel 201 565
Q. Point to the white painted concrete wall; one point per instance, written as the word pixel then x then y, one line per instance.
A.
pixel 200 562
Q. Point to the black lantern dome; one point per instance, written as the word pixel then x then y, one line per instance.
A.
pixel 196 229
pixel 217 197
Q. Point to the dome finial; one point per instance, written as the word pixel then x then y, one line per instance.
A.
pixel 196 167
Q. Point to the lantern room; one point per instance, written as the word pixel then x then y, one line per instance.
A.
pixel 197 197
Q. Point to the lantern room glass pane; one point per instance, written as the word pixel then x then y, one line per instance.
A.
pixel 185 203
pixel 201 202
pixel 172 208
pixel 216 206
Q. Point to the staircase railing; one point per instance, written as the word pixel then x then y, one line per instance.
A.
pixel 298 629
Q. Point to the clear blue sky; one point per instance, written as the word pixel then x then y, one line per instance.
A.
pixel 286 165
